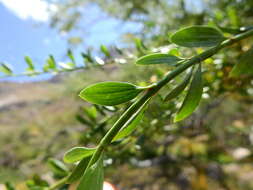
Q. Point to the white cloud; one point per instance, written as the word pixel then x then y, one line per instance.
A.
pixel 29 9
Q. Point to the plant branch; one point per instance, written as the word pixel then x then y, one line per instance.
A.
pixel 150 92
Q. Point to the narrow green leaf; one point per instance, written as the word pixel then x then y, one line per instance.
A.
pixel 244 67
pixel 6 69
pixel 158 58
pixel 57 167
pixel 29 62
pixel 93 177
pixel 132 123
pixel 78 153
pixel 50 64
pixel 87 57
pixel 140 45
pixel 104 49
pixel 110 93
pixel 78 170
pixel 197 36
pixel 192 98
pixel 71 56
pixel 179 89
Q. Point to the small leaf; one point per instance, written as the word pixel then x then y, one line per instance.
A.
pixel 192 98
pixel 140 45
pixel 179 89
pixel 78 170
pixel 104 49
pixel 244 66
pixel 71 56
pixel 50 64
pixel 58 167
pixel 131 124
pixel 158 58
pixel 197 36
pixel 6 69
pixel 110 93
pixel 87 57
pixel 93 177
pixel 78 153
pixel 29 62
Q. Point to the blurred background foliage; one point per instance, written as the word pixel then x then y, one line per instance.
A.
pixel 210 150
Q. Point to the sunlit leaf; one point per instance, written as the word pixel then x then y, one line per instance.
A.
pixel 50 64
pixel 197 36
pixel 158 58
pixel 192 98
pixel 78 153
pixel 110 93
pixel 244 66
pixel 93 177
pixel 104 49
pixel 29 62
pixel 6 69
pixel 179 89
pixel 71 56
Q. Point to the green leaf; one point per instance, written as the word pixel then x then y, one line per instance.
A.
pixel 29 62
pixel 93 177
pixel 105 50
pixel 71 56
pixel 140 45
pixel 158 58
pixel 6 69
pixel 192 98
pixel 179 89
pixel 79 170
pixel 57 167
pixel 244 67
pixel 50 64
pixel 132 123
pixel 87 57
pixel 197 36
pixel 9 186
pixel 110 93
pixel 78 153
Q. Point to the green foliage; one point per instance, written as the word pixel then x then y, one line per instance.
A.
pixel 244 67
pixel 197 36
pixel 131 124
pixel 189 146
pixel 71 56
pixel 29 63
pixel 93 177
pixel 78 153
pixel 50 64
pixel 110 93
pixel 78 171
pixel 179 89
pixel 9 186
pixel 104 49
pixel 158 58
pixel 58 168
pixel 192 98
pixel 6 69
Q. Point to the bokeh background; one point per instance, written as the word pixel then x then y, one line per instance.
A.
pixel 41 116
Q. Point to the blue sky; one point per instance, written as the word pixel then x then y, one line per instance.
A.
pixel 25 31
